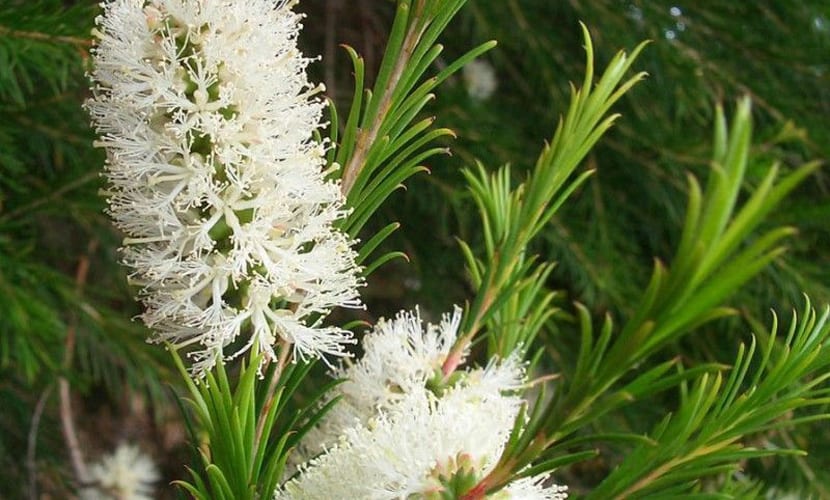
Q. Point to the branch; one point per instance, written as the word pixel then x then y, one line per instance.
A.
pixel 366 138
pixel 70 434
pixel 45 37
pixel 31 445
pixel 285 356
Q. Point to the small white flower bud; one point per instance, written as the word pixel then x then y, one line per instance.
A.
pixel 126 474
pixel 480 79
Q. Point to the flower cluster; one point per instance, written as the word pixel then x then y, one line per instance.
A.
pixel 127 473
pixel 403 429
pixel 208 120
pixel 207 117
pixel 400 357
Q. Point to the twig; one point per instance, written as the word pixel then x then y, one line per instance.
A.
pixel 70 434
pixel 541 380
pixel 31 444
pixel 367 137
pixel 45 37
pixel 285 355
pixel 456 354
pixel 54 195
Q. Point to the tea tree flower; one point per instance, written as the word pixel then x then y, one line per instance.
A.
pixel 404 430
pixel 400 356
pixel 127 473
pixel 397 452
pixel 207 117
pixel 423 445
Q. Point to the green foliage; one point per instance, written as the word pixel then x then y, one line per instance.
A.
pixel 381 147
pixel 40 76
pixel 248 429
pixel 603 241
pixel 710 265
pixel 50 214
pixel 51 227
pixel 707 435
pixel 510 290
pixel 31 331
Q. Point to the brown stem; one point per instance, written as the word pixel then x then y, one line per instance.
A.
pixel 367 137
pixel 478 492
pixel 504 470
pixel 661 470
pixel 456 355
pixel 70 434
pixel 45 37
pixel 498 477
pixel 31 445
pixel 284 357
pixel 541 380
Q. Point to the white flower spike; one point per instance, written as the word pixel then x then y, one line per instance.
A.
pixel 423 444
pixel 404 430
pixel 207 117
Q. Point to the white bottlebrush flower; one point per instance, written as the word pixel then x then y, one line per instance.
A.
pixel 404 450
pixel 207 117
pixel 402 430
pixel 399 357
pixel 479 79
pixel 126 474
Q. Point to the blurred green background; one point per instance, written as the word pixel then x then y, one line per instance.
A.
pixel 58 254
